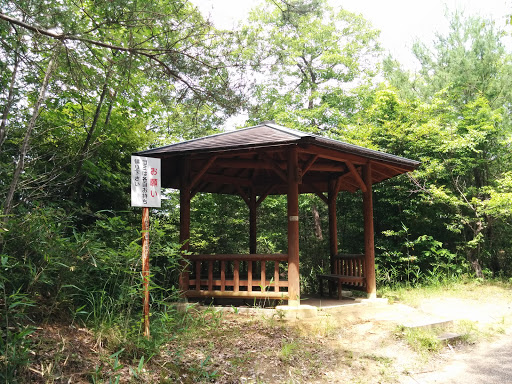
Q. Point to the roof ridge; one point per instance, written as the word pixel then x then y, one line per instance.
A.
pixel 268 123
pixel 272 124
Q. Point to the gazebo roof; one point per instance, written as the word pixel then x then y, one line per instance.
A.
pixel 254 158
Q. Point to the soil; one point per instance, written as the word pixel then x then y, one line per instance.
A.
pixel 358 344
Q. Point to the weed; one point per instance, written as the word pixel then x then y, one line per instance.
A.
pixel 288 350
pixel 14 343
pixel 422 340
pixel 281 314
pixel 380 359
pixel 203 372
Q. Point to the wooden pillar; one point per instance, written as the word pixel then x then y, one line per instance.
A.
pixel 333 225
pixel 369 246
pixel 293 227
pixel 184 219
pixel 252 223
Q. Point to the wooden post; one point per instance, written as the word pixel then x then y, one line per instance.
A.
pixel 333 230
pixel 184 220
pixel 145 268
pixel 333 225
pixel 252 223
pixel 293 228
pixel 369 246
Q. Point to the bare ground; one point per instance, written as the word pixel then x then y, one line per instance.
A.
pixel 359 344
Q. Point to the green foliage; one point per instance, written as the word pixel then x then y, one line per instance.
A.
pixel 14 341
pixel 315 63
pixel 419 261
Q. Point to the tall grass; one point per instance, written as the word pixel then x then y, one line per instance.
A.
pixel 89 274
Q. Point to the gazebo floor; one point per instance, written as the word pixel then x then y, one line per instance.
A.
pixel 326 302
pixel 322 303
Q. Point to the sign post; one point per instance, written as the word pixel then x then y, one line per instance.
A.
pixel 145 186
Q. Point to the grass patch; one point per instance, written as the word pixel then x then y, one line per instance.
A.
pixel 423 341
pixel 288 350
pixel 462 289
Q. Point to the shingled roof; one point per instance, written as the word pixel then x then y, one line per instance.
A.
pixel 252 157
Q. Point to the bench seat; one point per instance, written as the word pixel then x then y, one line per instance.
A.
pixel 351 282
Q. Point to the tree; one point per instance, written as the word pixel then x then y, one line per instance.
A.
pixel 458 150
pixel 468 62
pixel 123 67
pixel 469 71
pixel 312 61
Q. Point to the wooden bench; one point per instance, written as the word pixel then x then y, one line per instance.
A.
pixel 348 273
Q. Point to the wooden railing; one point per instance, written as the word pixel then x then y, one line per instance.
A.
pixel 349 272
pixel 249 276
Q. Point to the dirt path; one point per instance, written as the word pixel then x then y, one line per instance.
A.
pixel 368 335
pixel 489 363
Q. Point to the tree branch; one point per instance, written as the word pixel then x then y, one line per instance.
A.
pixel 66 37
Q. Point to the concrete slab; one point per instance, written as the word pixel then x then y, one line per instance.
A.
pixel 296 312
pixel 429 322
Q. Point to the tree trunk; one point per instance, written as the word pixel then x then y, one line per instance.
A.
pixel 318 223
pixel 88 139
pixel 24 147
pixel 8 104
pixel 473 253
pixel 83 181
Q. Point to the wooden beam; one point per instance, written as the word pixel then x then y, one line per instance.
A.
pixel 243 195
pixel 216 282
pixel 198 188
pixel 275 167
pixel 337 186
pixel 317 192
pixel 399 170
pixel 243 163
pixel 264 195
pixel 309 164
pixel 256 165
pixel 202 171
pixel 340 182
pixel 253 294
pixel 229 180
pixel 331 154
pixel 232 257
pixel 384 174
pixel 369 245
pixel 356 175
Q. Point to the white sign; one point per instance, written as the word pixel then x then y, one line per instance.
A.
pixel 146 182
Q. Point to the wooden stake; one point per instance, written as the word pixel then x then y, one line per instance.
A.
pixel 145 268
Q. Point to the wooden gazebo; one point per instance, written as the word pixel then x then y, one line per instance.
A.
pixel 264 160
